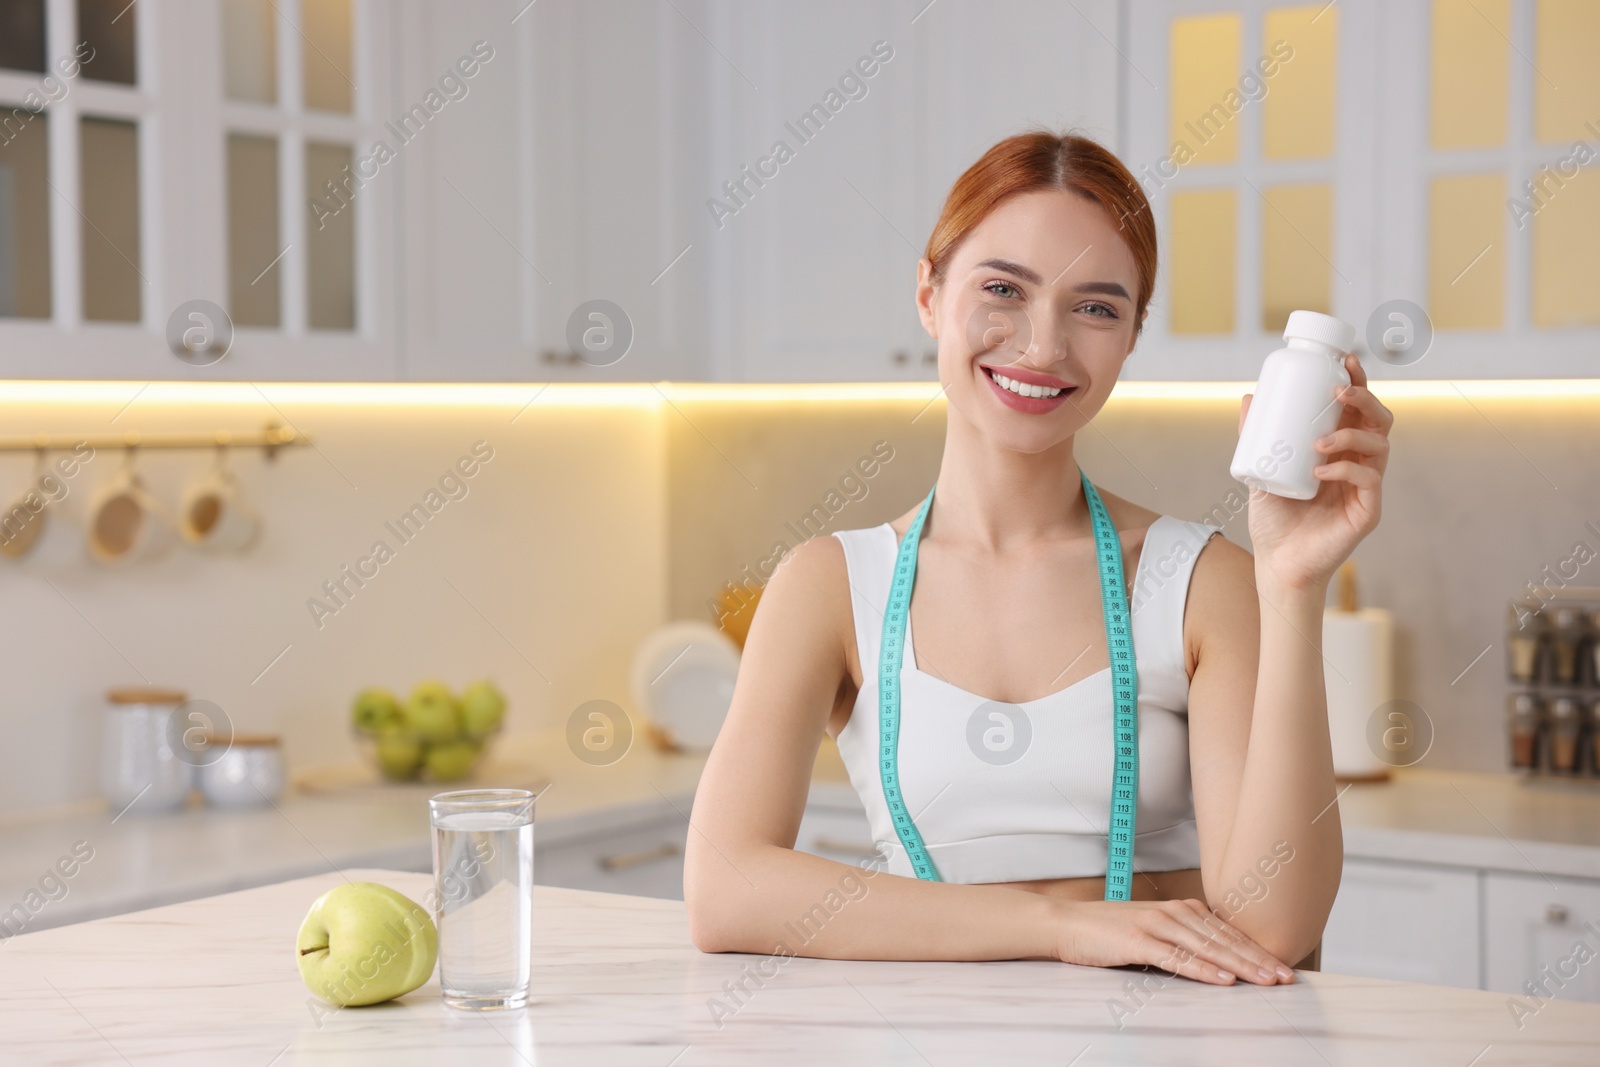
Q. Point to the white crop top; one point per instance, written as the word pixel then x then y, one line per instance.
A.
pixel 1036 804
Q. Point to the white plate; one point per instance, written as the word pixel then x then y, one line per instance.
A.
pixel 683 677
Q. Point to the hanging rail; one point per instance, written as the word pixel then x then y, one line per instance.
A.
pixel 269 439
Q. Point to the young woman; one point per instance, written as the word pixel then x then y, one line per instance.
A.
pixel 1035 283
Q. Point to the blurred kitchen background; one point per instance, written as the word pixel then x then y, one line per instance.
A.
pixel 365 247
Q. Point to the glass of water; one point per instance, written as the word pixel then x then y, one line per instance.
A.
pixel 483 895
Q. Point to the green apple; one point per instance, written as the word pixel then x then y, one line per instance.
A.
pixel 483 708
pixel 399 752
pixel 363 943
pixel 451 761
pixel 374 709
pixel 432 712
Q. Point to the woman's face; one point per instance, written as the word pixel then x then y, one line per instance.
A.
pixel 1034 318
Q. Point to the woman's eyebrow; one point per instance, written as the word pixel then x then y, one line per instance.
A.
pixel 1011 268
pixel 1028 275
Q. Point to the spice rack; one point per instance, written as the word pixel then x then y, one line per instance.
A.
pixel 1553 665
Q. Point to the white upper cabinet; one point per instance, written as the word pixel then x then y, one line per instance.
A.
pixel 169 169
pixel 740 190
pixel 548 213
pixel 841 129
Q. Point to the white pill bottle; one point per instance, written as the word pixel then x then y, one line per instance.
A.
pixel 1294 405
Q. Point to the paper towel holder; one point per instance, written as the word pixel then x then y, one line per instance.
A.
pixel 1347 602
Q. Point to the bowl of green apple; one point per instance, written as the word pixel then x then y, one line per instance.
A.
pixel 433 735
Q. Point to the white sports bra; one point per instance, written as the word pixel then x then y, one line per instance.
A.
pixel 1021 792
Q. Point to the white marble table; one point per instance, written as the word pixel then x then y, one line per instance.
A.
pixel 616 981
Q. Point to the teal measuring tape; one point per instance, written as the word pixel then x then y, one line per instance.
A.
pixel 1124 686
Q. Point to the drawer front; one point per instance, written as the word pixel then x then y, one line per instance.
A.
pixel 837 834
pixel 1405 922
pixel 1542 931
pixel 645 862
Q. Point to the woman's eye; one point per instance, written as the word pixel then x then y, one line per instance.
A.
pixel 996 287
pixel 1105 311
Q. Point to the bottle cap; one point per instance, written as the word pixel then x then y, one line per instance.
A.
pixel 1325 329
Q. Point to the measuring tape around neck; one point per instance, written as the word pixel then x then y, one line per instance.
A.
pixel 1124 686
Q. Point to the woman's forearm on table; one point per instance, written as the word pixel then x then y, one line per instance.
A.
pixel 773 900
pixel 1286 792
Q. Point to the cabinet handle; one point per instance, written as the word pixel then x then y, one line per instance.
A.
pixel 1556 915
pixel 930 358
pixel 625 860
pixel 900 358
pixel 550 355
pixel 833 844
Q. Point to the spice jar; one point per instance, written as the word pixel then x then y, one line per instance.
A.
pixel 1525 627
pixel 1566 722
pixel 1566 637
pixel 1525 710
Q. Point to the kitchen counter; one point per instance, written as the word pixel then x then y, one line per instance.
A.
pixel 616 981
pixel 141 860
pixel 1481 821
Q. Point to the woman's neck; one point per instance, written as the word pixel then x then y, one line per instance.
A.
pixel 999 499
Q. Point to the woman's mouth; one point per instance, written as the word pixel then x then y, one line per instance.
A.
pixel 1027 391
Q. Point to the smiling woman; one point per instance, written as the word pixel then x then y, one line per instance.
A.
pixel 1106 821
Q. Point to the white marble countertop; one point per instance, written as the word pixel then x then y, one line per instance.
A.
pixel 616 981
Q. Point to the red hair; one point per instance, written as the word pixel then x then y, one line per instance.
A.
pixel 1041 159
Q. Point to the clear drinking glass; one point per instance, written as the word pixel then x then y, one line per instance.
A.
pixel 483 895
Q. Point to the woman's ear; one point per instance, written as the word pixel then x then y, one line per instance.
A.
pixel 927 291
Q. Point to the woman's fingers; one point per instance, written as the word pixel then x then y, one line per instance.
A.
pixel 1365 404
pixel 1350 439
pixel 1158 951
pixel 1206 941
pixel 1358 373
pixel 1241 943
pixel 1345 470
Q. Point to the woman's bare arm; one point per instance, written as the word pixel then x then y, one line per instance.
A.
pixel 1271 849
pixel 748 890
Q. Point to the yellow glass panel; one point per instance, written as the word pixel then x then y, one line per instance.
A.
pixel 1205 76
pixel 1296 252
pixel 1471 72
pixel 1202 253
pixel 1566 80
pixel 1566 253
pixel 329 74
pixel 1466 251
pixel 1297 120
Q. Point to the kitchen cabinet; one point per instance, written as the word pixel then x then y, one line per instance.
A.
pixel 815 268
pixel 569 173
pixel 628 152
pixel 645 858
pixel 1412 922
pixel 1544 931
pixel 1479 929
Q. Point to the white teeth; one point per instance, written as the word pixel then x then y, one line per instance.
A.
pixel 1022 389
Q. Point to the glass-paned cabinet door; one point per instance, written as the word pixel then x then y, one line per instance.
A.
pixel 1490 213
pixel 1249 129
pixel 197 157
